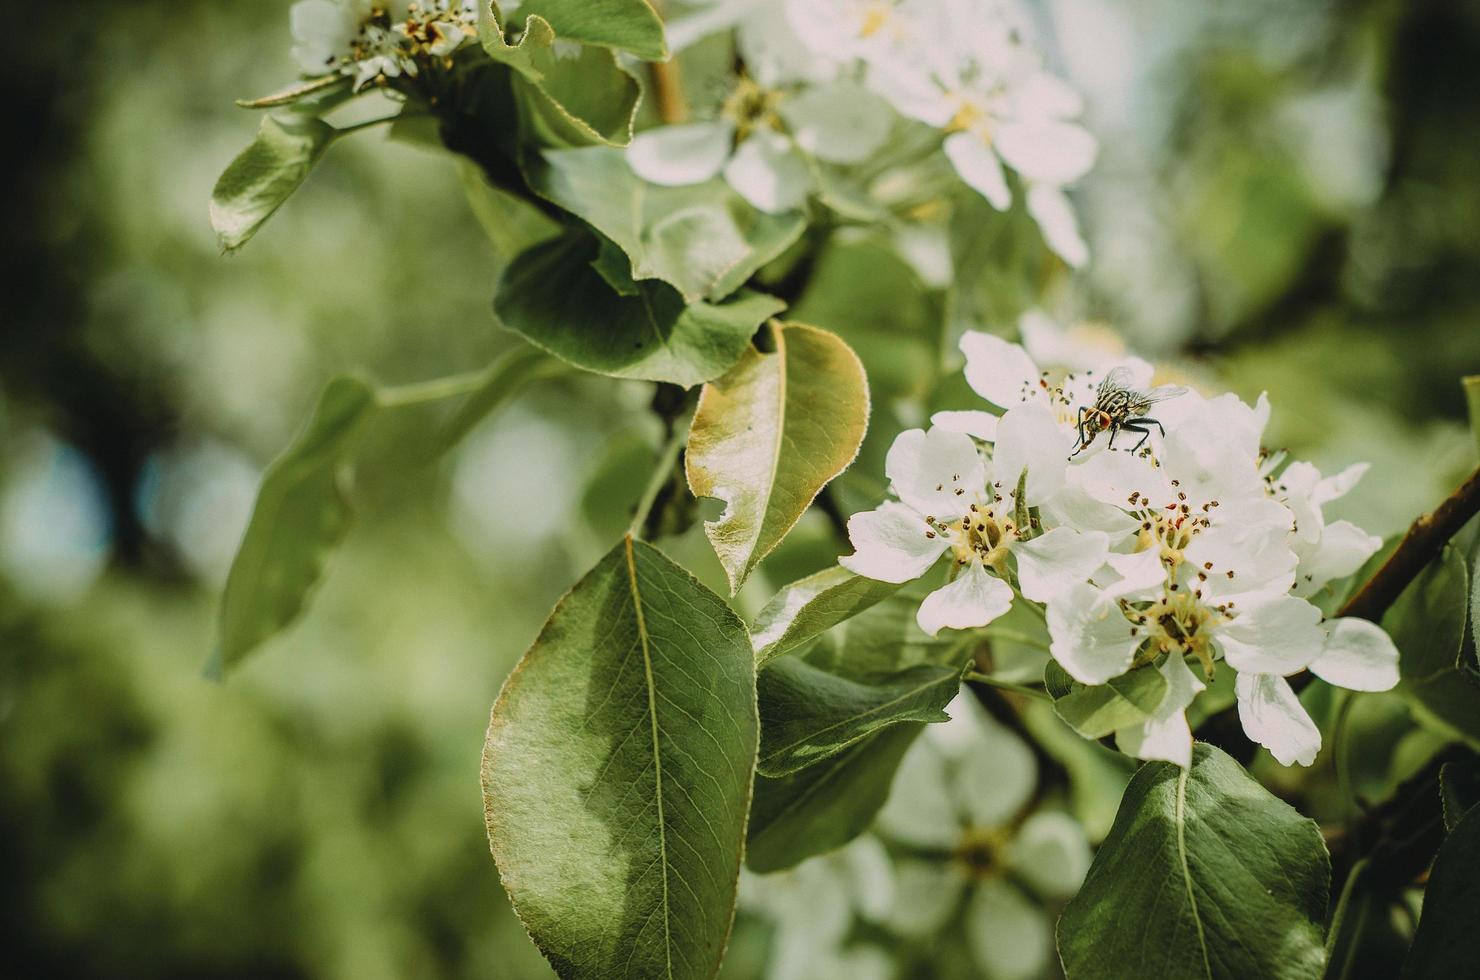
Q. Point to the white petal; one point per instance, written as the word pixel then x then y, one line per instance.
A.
pixel 973 599
pixel 840 123
pixel 1141 575
pixel 1333 487
pixel 1029 436
pixel 1044 96
pixel 1073 507
pixel 1280 635
pixel 1111 478
pixel 1166 735
pixel 768 172
pixel 1054 561
pixel 979 167
pixel 982 425
pixel 1009 936
pixel 1047 152
pixel 929 893
pixel 773 53
pixel 996 778
pixel 1342 549
pixel 1092 639
pixel 1259 557
pixel 999 371
pixel 674 156
pixel 912 92
pixel 920 809
pixel 1274 717
pixel 1050 207
pixel 890 544
pixel 1051 854
pixel 938 472
pixel 1358 656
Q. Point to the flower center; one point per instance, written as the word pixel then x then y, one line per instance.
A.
pixel 750 107
pixel 981 534
pixel 980 851
pixel 1170 526
pixel 874 18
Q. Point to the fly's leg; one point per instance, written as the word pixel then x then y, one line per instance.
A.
pixel 1114 429
pixel 1079 427
pixel 1139 425
pixel 1133 425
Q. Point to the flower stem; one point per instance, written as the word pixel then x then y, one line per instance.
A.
pixel 662 473
pixel 978 677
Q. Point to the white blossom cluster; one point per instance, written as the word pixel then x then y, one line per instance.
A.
pixel 373 39
pixel 824 76
pixel 1198 544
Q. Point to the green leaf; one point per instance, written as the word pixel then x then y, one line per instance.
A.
pixel 1204 874
pixel 823 807
pixel 769 435
pixel 300 516
pixel 568 94
pixel 1428 625
pixel 808 714
pixel 265 174
pixel 874 645
pixel 302 512
pixel 1459 790
pixel 1362 941
pixel 511 224
pixel 1097 711
pixel 1472 398
pixel 805 609
pixel 862 289
pixel 628 25
pixel 553 297
pixel 617 773
pixel 704 239
pixel 326 87
pixel 1445 945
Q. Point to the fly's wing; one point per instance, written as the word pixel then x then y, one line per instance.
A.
pixel 1163 393
pixel 1119 379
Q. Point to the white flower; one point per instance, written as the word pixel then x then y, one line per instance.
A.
pixel 769 124
pixel 952 500
pixel 962 789
pixel 969 73
pixel 847 29
pixel 368 41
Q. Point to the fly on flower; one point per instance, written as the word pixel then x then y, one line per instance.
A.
pixel 1119 407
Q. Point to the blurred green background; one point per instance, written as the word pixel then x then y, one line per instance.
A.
pixel 1288 199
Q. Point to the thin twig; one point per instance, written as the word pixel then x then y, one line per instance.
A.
pixel 662 474
pixel 1424 541
pixel 978 677
pixel 668 95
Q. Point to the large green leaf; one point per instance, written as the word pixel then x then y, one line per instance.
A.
pixel 628 25
pixel 1445 945
pixel 808 714
pixel 617 773
pixel 1428 624
pixel 569 94
pixel 265 174
pixel 552 296
pixel 703 240
pixel 1459 790
pixel 823 807
pixel 1204 874
pixel 1097 711
pixel 807 608
pixel 302 512
pixel 769 435
pixel 300 516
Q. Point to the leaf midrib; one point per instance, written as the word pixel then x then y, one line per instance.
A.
pixel 647 666
pixel 1181 821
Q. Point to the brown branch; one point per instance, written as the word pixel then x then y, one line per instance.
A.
pixel 667 87
pixel 1422 544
